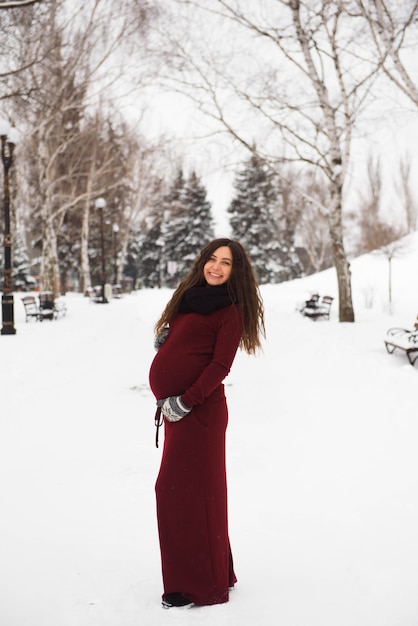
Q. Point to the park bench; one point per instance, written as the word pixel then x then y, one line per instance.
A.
pixel 33 310
pixel 312 302
pixel 314 308
pixel 47 308
pixel 403 339
pixel 117 291
pixel 95 293
pixel 47 302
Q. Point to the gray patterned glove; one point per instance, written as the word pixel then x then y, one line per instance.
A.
pixel 159 339
pixel 173 408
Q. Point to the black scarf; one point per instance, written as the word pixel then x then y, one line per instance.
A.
pixel 205 300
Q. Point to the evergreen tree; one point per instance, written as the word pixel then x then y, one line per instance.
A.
pixel 187 224
pixel 171 236
pixel 258 222
pixel 144 258
pixel 22 278
pixel 200 221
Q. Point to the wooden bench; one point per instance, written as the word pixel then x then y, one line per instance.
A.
pixel 311 303
pixel 48 302
pixel 117 291
pixel 403 339
pixel 315 309
pixel 47 309
pixel 95 293
pixel 32 310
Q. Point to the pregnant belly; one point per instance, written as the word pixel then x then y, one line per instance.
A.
pixel 172 377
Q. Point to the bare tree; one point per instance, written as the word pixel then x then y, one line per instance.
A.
pixel 307 89
pixel 313 227
pixel 389 242
pixel 103 173
pixel 403 187
pixel 20 51
pixel 393 28
pixel 146 161
pixel 371 225
pixel 376 225
pixel 83 55
pixel 376 233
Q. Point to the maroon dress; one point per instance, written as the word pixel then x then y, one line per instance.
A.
pixel 191 486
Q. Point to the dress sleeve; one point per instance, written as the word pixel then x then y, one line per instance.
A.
pixel 226 345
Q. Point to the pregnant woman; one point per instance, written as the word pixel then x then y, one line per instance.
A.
pixel 215 309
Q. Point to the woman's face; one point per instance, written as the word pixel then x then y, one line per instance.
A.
pixel 218 269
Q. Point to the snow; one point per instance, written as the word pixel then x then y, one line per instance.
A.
pixel 322 464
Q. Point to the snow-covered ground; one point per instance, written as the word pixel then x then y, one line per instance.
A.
pixel 322 464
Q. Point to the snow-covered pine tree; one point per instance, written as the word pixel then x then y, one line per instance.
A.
pixel 200 221
pixel 144 257
pixel 22 278
pixel 187 225
pixel 257 221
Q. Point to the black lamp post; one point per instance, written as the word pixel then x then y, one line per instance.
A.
pixel 8 138
pixel 115 252
pixel 100 205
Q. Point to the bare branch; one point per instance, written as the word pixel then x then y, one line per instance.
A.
pixel 17 4
pixel 390 32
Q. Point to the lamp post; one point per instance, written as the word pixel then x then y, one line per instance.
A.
pixel 115 252
pixel 100 205
pixel 8 138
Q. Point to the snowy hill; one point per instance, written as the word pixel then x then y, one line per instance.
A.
pixel 322 464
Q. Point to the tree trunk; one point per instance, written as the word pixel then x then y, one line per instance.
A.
pixel 336 160
pixel 85 277
pixel 342 266
pixel 50 278
pixel 50 275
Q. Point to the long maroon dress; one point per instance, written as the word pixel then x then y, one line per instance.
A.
pixel 191 486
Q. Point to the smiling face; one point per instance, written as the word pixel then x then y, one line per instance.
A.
pixel 218 269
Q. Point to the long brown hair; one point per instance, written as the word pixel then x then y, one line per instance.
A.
pixel 242 287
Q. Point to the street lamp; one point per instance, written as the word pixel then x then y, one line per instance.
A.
pixel 8 138
pixel 115 252
pixel 100 205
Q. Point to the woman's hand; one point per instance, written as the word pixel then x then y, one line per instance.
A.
pixel 173 408
pixel 160 339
